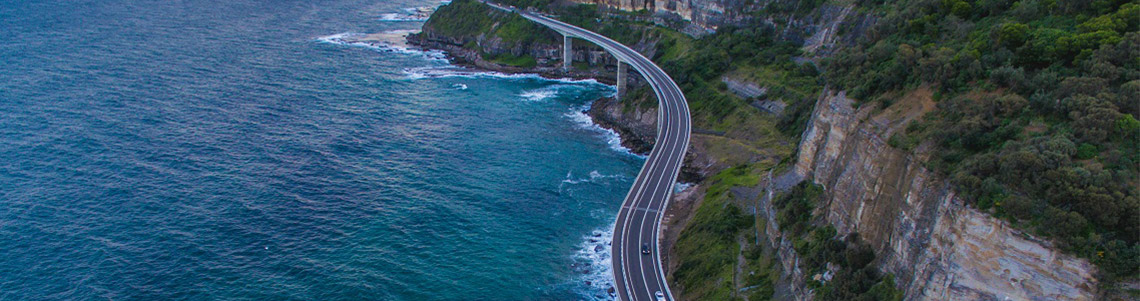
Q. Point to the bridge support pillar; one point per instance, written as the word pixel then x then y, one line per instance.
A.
pixel 567 52
pixel 621 75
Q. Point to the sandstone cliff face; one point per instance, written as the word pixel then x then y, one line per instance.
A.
pixel 706 14
pixel 937 247
pixel 818 30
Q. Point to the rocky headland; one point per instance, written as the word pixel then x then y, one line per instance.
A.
pixel 933 244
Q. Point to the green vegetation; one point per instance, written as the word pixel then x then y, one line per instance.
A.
pixel 524 61
pixel 750 52
pixel 1036 120
pixel 540 4
pixel 707 248
pixel 699 69
pixel 760 269
pixel 520 31
pixel 465 20
pixel 856 278
pixel 1037 109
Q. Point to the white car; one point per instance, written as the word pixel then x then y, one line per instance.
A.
pixel 660 296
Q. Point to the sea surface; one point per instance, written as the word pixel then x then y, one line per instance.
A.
pixel 239 150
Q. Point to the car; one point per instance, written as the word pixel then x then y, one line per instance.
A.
pixel 644 248
pixel 660 296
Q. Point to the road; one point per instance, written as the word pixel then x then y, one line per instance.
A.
pixel 639 276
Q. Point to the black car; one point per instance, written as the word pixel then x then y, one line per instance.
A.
pixel 644 248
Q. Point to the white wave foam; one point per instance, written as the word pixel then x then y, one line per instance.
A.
pixel 394 17
pixel 456 71
pixel 579 117
pixel 593 177
pixel 389 41
pixel 540 94
pixel 592 263
pixel 681 186
pixel 411 14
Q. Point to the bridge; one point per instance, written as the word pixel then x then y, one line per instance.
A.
pixel 636 254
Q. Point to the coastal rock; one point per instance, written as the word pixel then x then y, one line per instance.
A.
pixel 546 52
pixel 637 126
pixel 938 247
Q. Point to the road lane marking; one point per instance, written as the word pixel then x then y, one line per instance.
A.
pixel 672 100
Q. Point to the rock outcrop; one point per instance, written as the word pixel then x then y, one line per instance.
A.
pixel 548 55
pixel 938 247
pixel 706 14
pixel 816 29
pixel 637 126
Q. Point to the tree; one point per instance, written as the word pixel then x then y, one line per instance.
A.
pixel 1012 34
pixel 1020 207
pixel 1093 119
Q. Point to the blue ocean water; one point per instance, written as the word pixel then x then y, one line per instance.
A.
pixel 210 149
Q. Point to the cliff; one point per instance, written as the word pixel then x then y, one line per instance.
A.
pixel 706 15
pixel 937 247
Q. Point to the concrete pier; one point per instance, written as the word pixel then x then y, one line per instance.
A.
pixel 638 273
pixel 567 52
pixel 621 74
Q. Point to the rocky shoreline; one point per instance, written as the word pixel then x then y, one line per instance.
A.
pixel 637 127
pixel 472 59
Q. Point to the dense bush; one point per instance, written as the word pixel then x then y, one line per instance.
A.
pixel 538 4
pixel 698 72
pixel 856 278
pixel 463 18
pixel 1037 120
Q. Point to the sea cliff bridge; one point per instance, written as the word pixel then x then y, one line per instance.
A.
pixel 636 254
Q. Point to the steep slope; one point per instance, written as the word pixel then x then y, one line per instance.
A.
pixel 938 247
pixel 755 91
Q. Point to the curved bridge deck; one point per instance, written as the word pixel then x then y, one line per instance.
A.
pixel 640 276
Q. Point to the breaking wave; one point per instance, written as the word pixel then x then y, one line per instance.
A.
pixel 681 186
pixel 582 120
pixel 393 44
pixel 411 14
pixel 539 94
pixel 592 263
pixel 594 177
pixel 456 71
pixel 395 17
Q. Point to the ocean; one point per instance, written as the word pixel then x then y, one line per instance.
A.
pixel 242 150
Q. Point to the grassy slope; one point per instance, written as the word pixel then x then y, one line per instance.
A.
pixel 1035 121
pixel 708 247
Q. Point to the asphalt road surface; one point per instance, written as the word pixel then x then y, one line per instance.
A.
pixel 639 276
